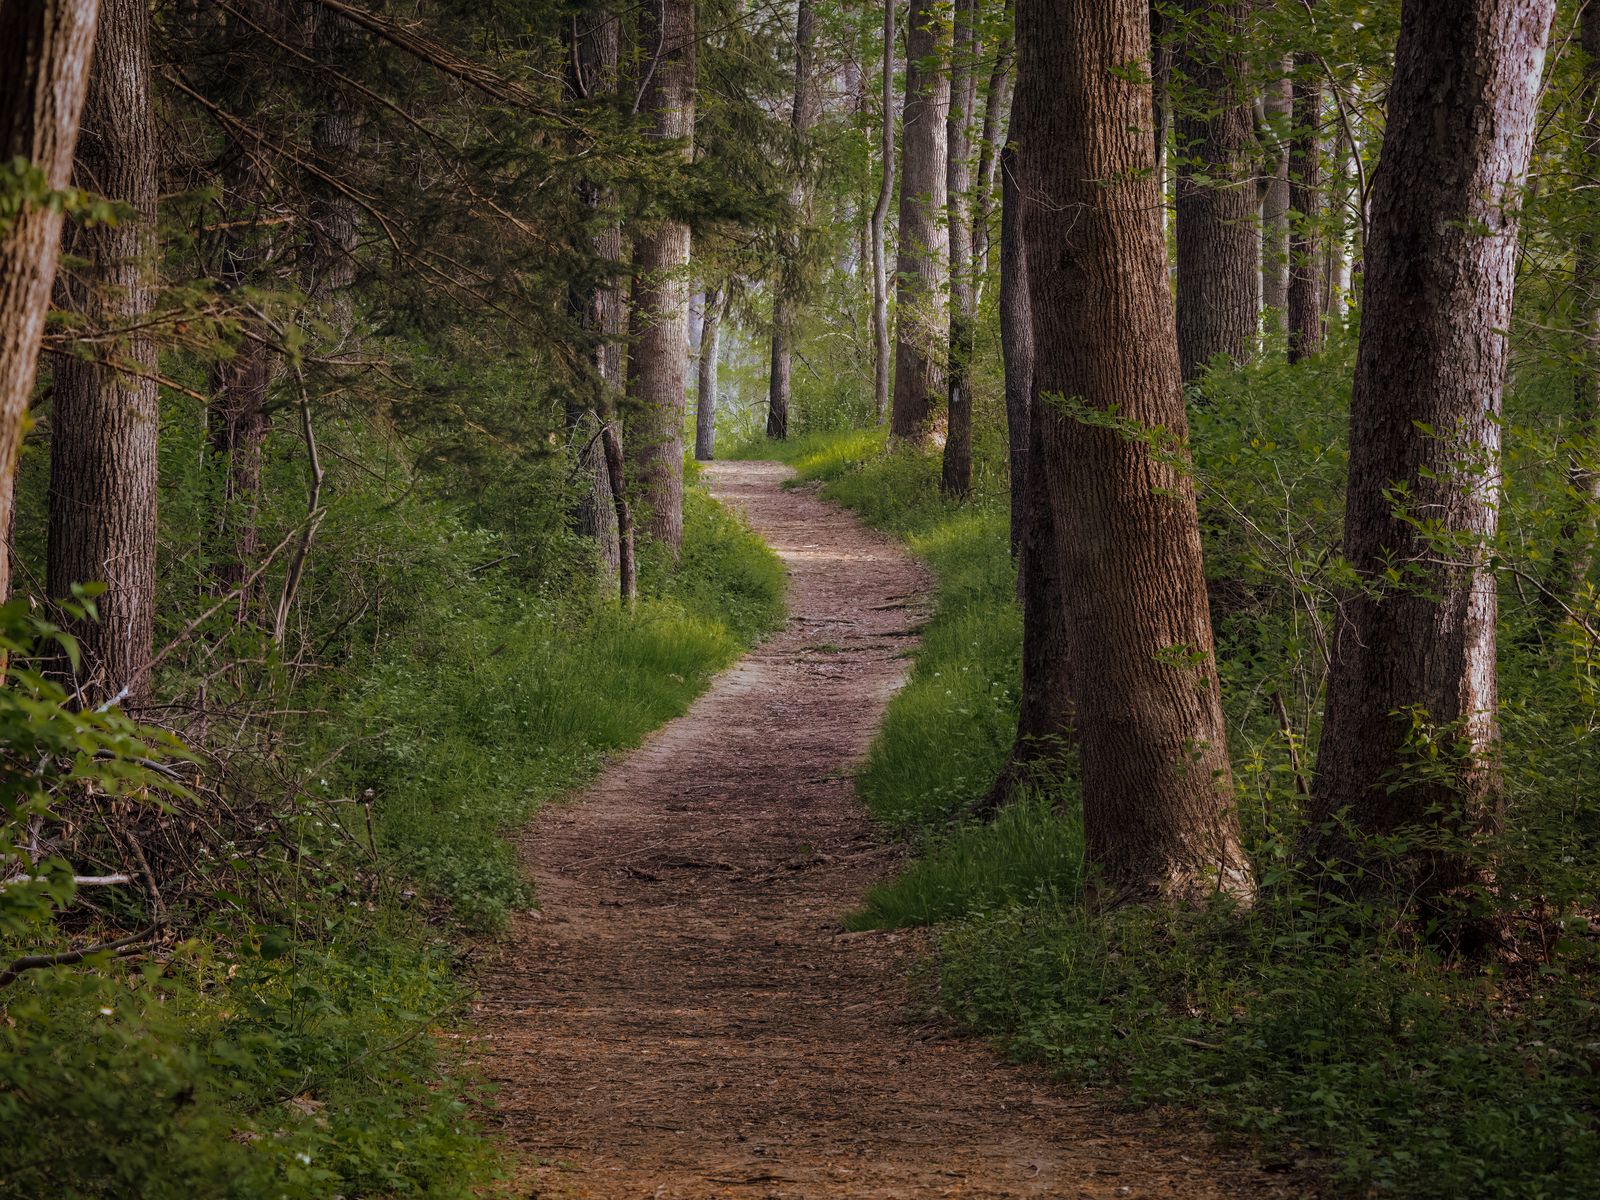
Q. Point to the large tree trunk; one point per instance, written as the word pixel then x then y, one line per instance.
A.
pixel 593 71
pixel 956 477
pixel 1218 235
pixel 1157 787
pixel 1278 105
pixel 1413 660
pixel 880 213
pixel 785 303
pixel 106 413
pixel 1305 207
pixel 658 365
pixel 1044 710
pixel 45 49
pixel 923 335
pixel 705 399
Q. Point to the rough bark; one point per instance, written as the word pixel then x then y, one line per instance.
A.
pixel 1278 105
pixel 1157 787
pixel 1044 710
pixel 922 338
pixel 105 416
pixel 1218 269
pixel 45 48
pixel 705 399
pixel 1304 316
pixel 956 474
pixel 657 365
pixel 785 301
pixel 880 213
pixel 593 73
pixel 1417 653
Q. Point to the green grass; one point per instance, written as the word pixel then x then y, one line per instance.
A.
pixel 1320 1037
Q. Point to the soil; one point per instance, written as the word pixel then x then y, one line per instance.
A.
pixel 685 1016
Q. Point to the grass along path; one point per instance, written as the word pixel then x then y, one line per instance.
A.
pixel 686 1017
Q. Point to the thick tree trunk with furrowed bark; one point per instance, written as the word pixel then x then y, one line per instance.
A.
pixel 1218 234
pixel 1157 787
pixel 956 474
pixel 1414 657
pixel 1304 317
pixel 45 50
pixel 658 364
pixel 922 338
pixel 106 413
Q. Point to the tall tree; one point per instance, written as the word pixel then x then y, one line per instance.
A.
pixel 658 364
pixel 1157 787
pixel 1219 274
pixel 705 398
pixel 880 214
pixel 1277 106
pixel 922 336
pixel 1304 316
pixel 996 105
pixel 1413 661
pixel 785 302
pixel 956 476
pixel 45 49
pixel 106 413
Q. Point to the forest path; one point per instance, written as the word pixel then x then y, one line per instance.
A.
pixel 685 1017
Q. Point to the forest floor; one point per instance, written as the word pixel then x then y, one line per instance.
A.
pixel 684 1016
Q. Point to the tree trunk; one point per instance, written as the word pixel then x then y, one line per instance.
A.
pixel 956 477
pixel 1157 787
pixel 593 73
pixel 705 401
pixel 106 412
pixel 45 49
pixel 1275 202
pixel 1218 256
pixel 1044 710
pixel 880 213
pixel 785 302
pixel 996 103
pixel 335 141
pixel 657 365
pixel 923 335
pixel 1413 661
pixel 1305 212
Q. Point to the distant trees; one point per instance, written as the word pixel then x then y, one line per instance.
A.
pixel 1413 663
pixel 1303 318
pixel 105 417
pixel 1157 786
pixel 45 50
pixel 922 335
pixel 657 363
pixel 880 213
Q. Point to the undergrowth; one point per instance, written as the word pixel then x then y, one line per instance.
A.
pixel 1324 1037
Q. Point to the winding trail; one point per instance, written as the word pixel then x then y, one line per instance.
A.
pixel 685 1018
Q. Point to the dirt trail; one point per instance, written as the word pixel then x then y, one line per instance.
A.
pixel 686 1019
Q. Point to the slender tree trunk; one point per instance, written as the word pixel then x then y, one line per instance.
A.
pixel 657 366
pixel 923 335
pixel 593 74
pixel 1275 202
pixel 627 573
pixel 106 413
pixel 956 477
pixel 1305 212
pixel 785 301
pixel 1044 710
pixel 1157 787
pixel 1341 196
pixel 705 401
pixel 996 103
pixel 336 141
pixel 880 213
pixel 1413 661
pixel 1161 90
pixel 45 50
pixel 1218 256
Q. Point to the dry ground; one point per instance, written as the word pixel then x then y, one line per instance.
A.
pixel 685 1018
